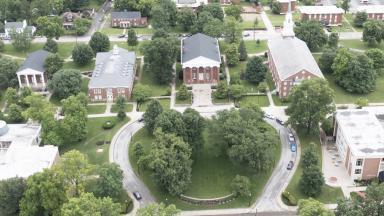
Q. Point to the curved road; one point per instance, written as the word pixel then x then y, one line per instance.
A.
pixel 269 201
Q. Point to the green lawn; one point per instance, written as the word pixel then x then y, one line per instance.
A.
pixel 248 25
pixel 328 194
pixel 165 103
pixel 358 44
pixel 96 109
pixel 235 71
pixel 95 133
pixel 64 49
pixel 128 108
pixel 342 96
pixel 261 100
pixel 220 101
pixel 252 47
pixel 211 176
pixel 345 27
pixel 148 78
pixel 83 68
pixel 186 101
pixel 84 85
pixel 349 17
pixel 278 102
pixel 278 19
pixel 112 31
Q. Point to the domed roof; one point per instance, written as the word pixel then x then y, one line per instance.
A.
pixel 3 128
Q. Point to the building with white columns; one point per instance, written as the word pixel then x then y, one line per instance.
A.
pixel 32 73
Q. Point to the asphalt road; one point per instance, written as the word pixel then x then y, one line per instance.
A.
pixel 97 19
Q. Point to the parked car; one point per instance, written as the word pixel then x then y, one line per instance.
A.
pixel 137 195
pixel 246 35
pixel 140 119
pixel 293 147
pixel 291 138
pixel 290 165
pixel 279 121
pixel 121 36
pixel 266 115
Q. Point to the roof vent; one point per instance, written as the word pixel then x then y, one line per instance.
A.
pixel 3 128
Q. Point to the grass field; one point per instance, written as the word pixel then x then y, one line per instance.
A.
pixel 83 68
pixel 235 71
pixel 187 101
pixel 328 194
pixel 349 18
pixel 95 133
pixel 221 101
pixel 148 78
pixel 358 44
pixel 248 25
pixel 345 26
pixel 261 100
pixel 128 108
pixel 64 49
pixel 96 109
pixel 211 176
pixel 252 47
pixel 165 103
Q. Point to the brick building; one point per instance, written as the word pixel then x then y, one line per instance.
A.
pixel 200 59
pixel 289 59
pixel 113 75
pixel 127 19
pixel 359 138
pixel 284 5
pixel 328 15
pixel 373 11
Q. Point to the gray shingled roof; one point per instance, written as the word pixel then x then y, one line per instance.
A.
pixel 126 15
pixel 35 61
pixel 200 45
pixel 291 55
pixel 113 69
pixel 11 25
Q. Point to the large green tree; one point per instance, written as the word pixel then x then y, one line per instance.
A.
pixel 110 181
pixel 158 209
pixel 312 33
pixel 232 55
pixel 310 101
pixel 50 27
pixel 21 41
pixel 164 14
pixel 243 55
pixel 312 207
pixel 215 10
pixel 311 181
pixel 132 38
pixel 195 125
pixel 82 54
pixel 65 82
pixel 125 5
pixel 154 109
pixel 52 64
pixel 326 60
pixel 51 46
pixel 255 71
pixel 186 18
pixel 99 42
pixel 241 186
pixel 373 32
pixel 171 121
pixel 141 93
pixel 377 57
pixel 234 11
pixel 310 157
pixel 8 69
pixel 360 18
pixel 88 204
pixel 11 192
pixel 232 30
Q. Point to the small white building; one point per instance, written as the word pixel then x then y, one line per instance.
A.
pixel 359 137
pixel 17 27
pixel 20 153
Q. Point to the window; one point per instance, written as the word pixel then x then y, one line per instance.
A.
pixel 194 75
pixel 357 171
pixel 359 162
pixel 97 91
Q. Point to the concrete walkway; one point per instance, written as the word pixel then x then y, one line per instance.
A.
pixel 267 22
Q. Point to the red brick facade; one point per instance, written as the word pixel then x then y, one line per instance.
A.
pixel 376 16
pixel 201 75
pixel 126 23
pixel 329 19
pixel 284 7
pixel 102 94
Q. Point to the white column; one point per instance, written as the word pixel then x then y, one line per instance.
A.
pixel 18 77
pixel 43 80
pixel 26 76
pixel 34 80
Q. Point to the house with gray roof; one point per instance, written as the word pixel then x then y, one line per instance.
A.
pixel 200 59
pixel 290 60
pixel 32 72
pixel 17 27
pixel 113 75
pixel 127 19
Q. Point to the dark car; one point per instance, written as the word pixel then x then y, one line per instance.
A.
pixel 137 195
pixel 293 147
pixel 140 119
pixel 279 121
pixel 290 165
pixel 121 36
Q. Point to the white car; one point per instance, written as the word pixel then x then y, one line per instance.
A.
pixel 291 138
pixel 266 115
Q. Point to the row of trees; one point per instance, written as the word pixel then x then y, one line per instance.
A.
pixel 64 190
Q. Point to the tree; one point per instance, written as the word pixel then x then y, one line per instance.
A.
pixel 145 7
pixel 50 27
pixel 203 18
pixel 221 90
pixel 340 63
pixel 141 93
pixel 170 161
pixel 99 42
pixel 231 55
pixel 333 40
pixel 88 204
pixel 82 54
pixel 360 18
pixel 241 186
pixel 65 82
pixel 183 93
pixel 11 192
pixel 242 51
pixel 8 69
pixel 138 150
pixel 132 38
pixel 213 28
pixel 125 5
pixel 310 157
pixel 154 109
pixel 186 18
pixel 52 64
pixel 51 46
pixel 14 113
pixel 158 209
pixel 81 26
pixel 45 194
pixel 215 11
pixel 160 55
pixel 2 46
pixel 311 181
pixel 311 101
pixel 348 207
pixel 345 5
pixel 234 11
pixel 312 33
pixel 276 7
pixel 194 124
pixel 21 41
pixel 164 14
pixel 38 106
pixel 110 181
pixel 373 32
pixel 121 107
pixel 326 60
pixel 236 91
pixel 361 102
pixel 377 57
pixel 373 204
pixel 232 30
pixel 11 96
pixel 255 70
pixel 171 121
pixel 310 207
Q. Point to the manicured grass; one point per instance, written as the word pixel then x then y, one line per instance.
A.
pixel 148 78
pixel 278 102
pixel 235 71
pixel 349 18
pixel 221 101
pixel 358 44
pixel 64 49
pixel 112 31
pixel 345 27
pixel 95 133
pixel 278 19
pixel 186 101
pixel 211 176
pixel 248 100
pixel 83 68
pixel 342 96
pixel 328 194
pixel 84 85
pixel 165 103
pixel 248 25
pixel 144 31
pixel 96 109
pixel 128 108
pixel 252 47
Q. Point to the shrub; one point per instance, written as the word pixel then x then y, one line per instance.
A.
pixel 289 198
pixel 262 87
pixel 108 125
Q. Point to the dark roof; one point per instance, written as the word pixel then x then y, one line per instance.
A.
pixel 126 15
pixel 200 45
pixel 35 60
pixel 16 25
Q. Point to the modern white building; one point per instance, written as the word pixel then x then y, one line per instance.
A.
pixel 359 137
pixel 20 153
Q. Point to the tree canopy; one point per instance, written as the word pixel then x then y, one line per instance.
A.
pixel 11 192
pixel 65 82
pixel 99 42
pixel 158 209
pixel 310 207
pixel 82 54
pixel 312 33
pixel 373 32
pixel 154 109
pixel 255 71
